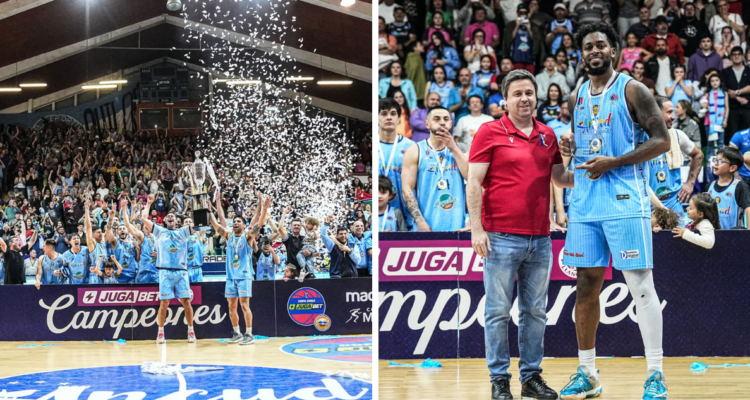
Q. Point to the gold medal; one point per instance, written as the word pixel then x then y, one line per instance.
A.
pixel 236 257
pixel 442 184
pixel 596 145
pixel 661 176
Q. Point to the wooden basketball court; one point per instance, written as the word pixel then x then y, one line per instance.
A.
pixel 622 378
pixel 55 356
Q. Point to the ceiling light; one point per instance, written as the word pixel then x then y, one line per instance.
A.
pixel 334 82
pixel 87 87
pixel 118 81
pixel 174 5
pixel 347 3
pixel 10 89
pixel 220 80
pixel 299 78
pixel 241 82
pixel 33 85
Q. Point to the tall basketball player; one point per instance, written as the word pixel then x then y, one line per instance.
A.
pixel 124 249
pixel 147 272
pixel 76 261
pixel 391 153
pixel 240 265
pixel 49 266
pixel 95 243
pixel 172 265
pixel 609 209
pixel 436 168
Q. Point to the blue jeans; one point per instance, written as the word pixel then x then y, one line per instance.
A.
pixel 306 262
pixel 530 259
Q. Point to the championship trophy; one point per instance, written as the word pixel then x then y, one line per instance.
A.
pixel 197 174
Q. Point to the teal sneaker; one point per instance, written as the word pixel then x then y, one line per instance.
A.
pixel 582 386
pixel 655 387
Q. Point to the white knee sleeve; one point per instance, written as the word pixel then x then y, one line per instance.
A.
pixel 648 310
pixel 641 285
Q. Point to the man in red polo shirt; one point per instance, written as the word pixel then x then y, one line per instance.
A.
pixel 514 159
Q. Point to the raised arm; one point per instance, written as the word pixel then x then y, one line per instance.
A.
pixel 3 246
pixel 144 213
pixel 255 229
pixel 109 235
pixel 138 235
pixel 117 263
pixel 89 228
pixel 222 230
pixel 282 223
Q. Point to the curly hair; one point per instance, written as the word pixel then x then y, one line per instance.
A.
pixel 612 37
pixel 666 219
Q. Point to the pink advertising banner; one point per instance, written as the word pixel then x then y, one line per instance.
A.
pixel 448 260
pixel 127 296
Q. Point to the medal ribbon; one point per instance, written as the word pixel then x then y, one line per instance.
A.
pixel 594 120
pixel 382 223
pixel 390 158
pixel 441 163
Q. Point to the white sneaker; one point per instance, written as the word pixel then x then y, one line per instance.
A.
pixel 161 339
pixel 191 337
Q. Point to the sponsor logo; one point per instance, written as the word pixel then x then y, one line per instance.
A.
pixel 305 305
pixel 629 254
pixel 358 297
pixel 322 322
pixel 446 201
pixel 725 210
pixel 214 259
pixel 541 139
pixel 427 321
pixel 172 248
pixel 146 296
pixel 355 314
pixel 569 254
pixel 231 382
pixel 511 139
pixel 623 196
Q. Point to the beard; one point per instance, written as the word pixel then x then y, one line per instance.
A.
pixel 661 52
pixel 596 71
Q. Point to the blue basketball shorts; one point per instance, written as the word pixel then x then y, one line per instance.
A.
pixel 627 240
pixel 238 288
pixel 173 284
pixel 195 274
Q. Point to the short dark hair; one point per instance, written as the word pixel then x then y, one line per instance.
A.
pixel 385 184
pixel 612 37
pixel 737 48
pixel 660 20
pixel 341 228
pixel 388 104
pixel 295 220
pixel 709 37
pixel 660 100
pixel 403 70
pixel 50 242
pixel 661 40
pixel 435 109
pixel 475 96
pixel 732 155
pixel 517 75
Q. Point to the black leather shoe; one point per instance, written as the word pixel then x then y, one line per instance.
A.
pixel 501 389
pixel 537 388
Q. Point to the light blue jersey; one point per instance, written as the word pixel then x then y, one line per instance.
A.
pixel 172 247
pixel 110 280
pixel 100 249
pixel 125 255
pixel 239 258
pixel 49 267
pixel 666 184
pixel 2 270
pixel 77 266
pixel 147 263
pixel 361 245
pixel 195 251
pixel 442 207
pixel 387 221
pixel 729 210
pixel 266 267
pixel 618 193
pixel 394 172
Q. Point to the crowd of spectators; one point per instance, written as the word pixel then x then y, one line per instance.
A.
pixel 46 176
pixel 456 53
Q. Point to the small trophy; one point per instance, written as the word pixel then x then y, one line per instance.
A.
pixel 197 174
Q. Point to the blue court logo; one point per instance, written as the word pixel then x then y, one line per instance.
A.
pixel 346 349
pixel 305 305
pixel 233 382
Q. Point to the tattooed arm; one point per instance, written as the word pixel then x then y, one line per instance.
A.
pixel 409 173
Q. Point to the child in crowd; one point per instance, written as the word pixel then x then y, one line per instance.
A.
pixel 309 242
pixel 109 276
pixel 705 215
pixel 664 218
pixel 390 219
pixel 290 272
pixel 717 116
pixel 267 261
pixel 732 195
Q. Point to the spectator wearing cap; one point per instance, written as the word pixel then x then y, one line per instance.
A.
pixel 725 18
pixel 589 11
pixel 645 26
pixel 549 76
pixel 737 82
pixel 703 59
pixel 690 30
pixel 458 98
pixel 521 41
pixel 491 33
pixel 674 48
pixel 559 27
pixel 466 128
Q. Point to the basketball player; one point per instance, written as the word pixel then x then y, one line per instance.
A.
pixel 239 265
pixel 391 154
pixel 147 264
pixel 95 243
pixel 125 250
pixel 49 265
pixel 267 261
pixel 436 167
pixel 172 265
pixel 609 208
pixel 196 248
pixel 76 261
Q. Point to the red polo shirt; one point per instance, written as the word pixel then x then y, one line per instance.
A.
pixel 516 188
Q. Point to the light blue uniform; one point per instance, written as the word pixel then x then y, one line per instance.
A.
pixel 387 223
pixel 172 262
pixel 611 215
pixel 77 266
pixel 394 173
pixel 125 255
pixel 240 268
pixel 266 267
pixel 100 249
pixel 666 184
pixel 729 210
pixel 110 280
pixel 147 266
pixel 443 209
pixel 195 258
pixel 361 245
pixel 2 271
pixel 560 128
pixel 48 270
